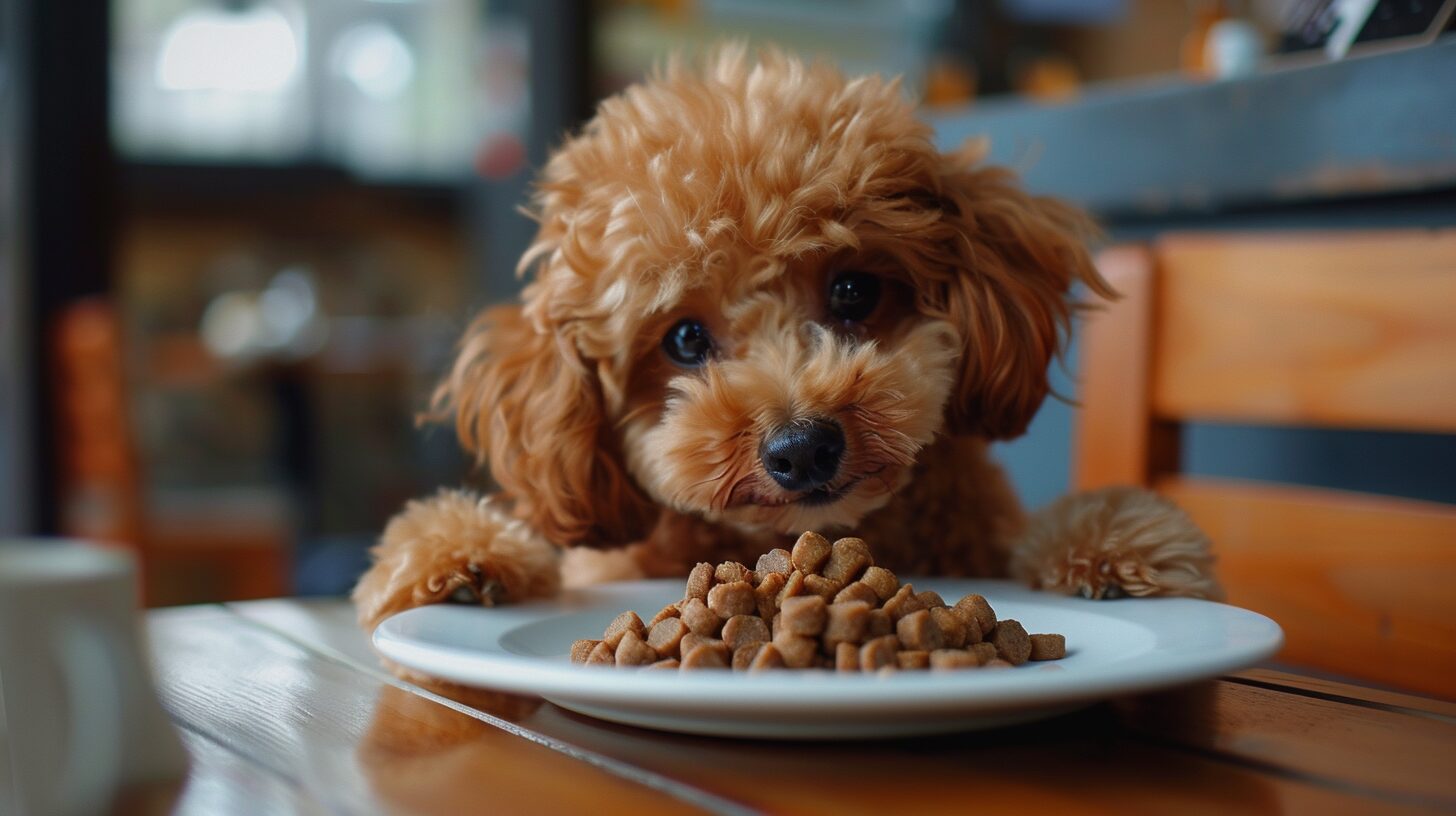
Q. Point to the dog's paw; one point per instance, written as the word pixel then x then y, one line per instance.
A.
pixel 454 548
pixel 1113 543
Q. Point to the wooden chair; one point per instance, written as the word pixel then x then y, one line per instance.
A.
pixel 1350 330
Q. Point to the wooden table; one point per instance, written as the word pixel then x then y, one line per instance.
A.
pixel 285 709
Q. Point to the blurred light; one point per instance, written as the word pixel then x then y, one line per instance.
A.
pixel 242 51
pixel 230 324
pixel 375 59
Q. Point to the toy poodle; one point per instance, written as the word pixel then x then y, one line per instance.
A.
pixel 763 302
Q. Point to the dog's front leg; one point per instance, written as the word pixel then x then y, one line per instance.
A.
pixel 455 547
pixel 1114 542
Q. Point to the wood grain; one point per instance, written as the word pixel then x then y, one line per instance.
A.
pixel 1118 440
pixel 1093 762
pixel 1362 585
pixel 355 743
pixel 1331 329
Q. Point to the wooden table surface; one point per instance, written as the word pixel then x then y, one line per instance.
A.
pixel 285 709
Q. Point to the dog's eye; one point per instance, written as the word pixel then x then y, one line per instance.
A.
pixel 854 295
pixel 687 343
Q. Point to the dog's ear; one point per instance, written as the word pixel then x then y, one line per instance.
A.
pixel 525 402
pixel 1016 257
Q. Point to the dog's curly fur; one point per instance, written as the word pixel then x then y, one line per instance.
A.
pixel 733 194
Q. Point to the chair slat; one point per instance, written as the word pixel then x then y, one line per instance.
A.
pixel 1330 329
pixel 1361 584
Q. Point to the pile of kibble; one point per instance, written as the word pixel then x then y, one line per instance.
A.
pixel 820 606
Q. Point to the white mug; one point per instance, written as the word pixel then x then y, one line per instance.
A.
pixel 78 715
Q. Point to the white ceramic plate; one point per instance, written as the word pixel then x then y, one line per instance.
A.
pixel 1113 648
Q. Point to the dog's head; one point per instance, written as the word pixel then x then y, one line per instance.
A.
pixel 759 292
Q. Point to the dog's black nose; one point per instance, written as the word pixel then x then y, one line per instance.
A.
pixel 803 455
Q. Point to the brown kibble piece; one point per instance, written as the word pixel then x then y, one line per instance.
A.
pixel 810 552
pixel 700 580
pixel 730 571
pixel 669 663
pixel 666 635
pixel 741 630
pixel 743 656
pixel 848 557
pixel 632 651
pixel 691 641
pixel 601 655
pixel 878 653
pixel 669 611
pixel 768 657
pixel 951 659
pixel 912 659
pixel 737 598
pixel 704 656
pixel 918 630
pixel 846 623
pixel 903 602
pixel 775 561
pixel 620 625
pixel 804 615
pixel 582 649
pixel 984 652
pixel 858 591
pixel 1048 647
pixel 821 586
pixel 996 663
pixel 846 657
pixel 882 581
pixel 930 599
pixel 1011 642
pixel 793 587
pixel 880 624
pixel 977 607
pixel 798 652
pixel 951 625
pixel 767 594
pixel 700 619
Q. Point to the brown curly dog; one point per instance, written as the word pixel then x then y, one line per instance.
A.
pixel 763 302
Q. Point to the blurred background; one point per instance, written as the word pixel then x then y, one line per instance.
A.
pixel 238 238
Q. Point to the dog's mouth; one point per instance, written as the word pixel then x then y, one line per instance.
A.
pixel 819 497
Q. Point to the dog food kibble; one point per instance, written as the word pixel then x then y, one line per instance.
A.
pixel 737 598
pixel 704 656
pixel 730 571
pixel 821 586
pixel 819 605
pixel 846 623
pixel 848 557
pixel 804 615
pixel 621 625
pixel 741 630
pixel 743 656
pixel 918 631
pixel 775 561
pixel 632 651
pixel 665 636
pixel 767 594
pixel 858 591
pixel 700 619
pixel 930 599
pixel 951 627
pixel 1011 642
pixel 810 552
pixel 582 649
pixel 975 607
pixel 912 659
pixel 700 580
pixel 669 611
pixel 1048 647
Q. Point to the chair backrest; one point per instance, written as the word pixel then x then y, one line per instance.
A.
pixel 1338 329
